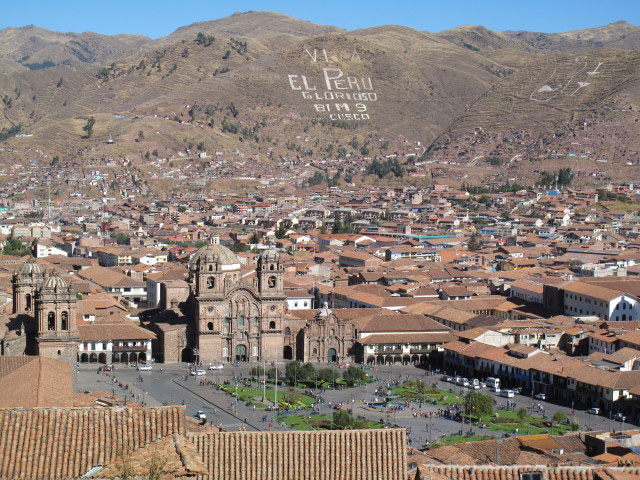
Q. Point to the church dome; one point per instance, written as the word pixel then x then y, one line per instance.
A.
pixel 30 267
pixel 270 255
pixel 55 281
pixel 216 253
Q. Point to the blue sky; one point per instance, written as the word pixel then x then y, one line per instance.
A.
pixel 156 18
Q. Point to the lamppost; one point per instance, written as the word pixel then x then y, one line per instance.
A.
pixel 196 352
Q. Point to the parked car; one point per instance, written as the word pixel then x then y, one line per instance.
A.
pixel 444 378
pixel 200 415
pixel 540 396
pixel 106 368
pixel 594 411
pixel 619 417
pixel 217 366
pixel 517 390
pixel 367 367
pixel 507 393
pixel 495 389
pixel 345 365
pixel 144 368
pixel 198 372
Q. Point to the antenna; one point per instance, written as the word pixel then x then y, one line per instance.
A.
pixel 49 206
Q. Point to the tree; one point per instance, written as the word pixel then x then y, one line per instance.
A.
pixel 478 404
pixel 281 232
pixel 60 82
pixel 140 136
pixel 89 127
pixel 240 247
pixel 296 372
pixel 122 238
pixel 14 247
pixel 352 375
pixel 255 238
pixel 559 417
pixel 342 420
pixel 328 375
pixel 474 243
pixel 182 209
pixel 522 415
pixel 55 161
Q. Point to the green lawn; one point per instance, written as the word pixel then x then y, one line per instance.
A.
pixel 286 398
pixel 321 422
pixel 507 421
pixel 433 395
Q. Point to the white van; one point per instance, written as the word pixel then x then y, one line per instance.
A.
pixel 493 383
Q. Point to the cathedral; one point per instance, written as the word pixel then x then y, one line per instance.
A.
pixel 237 320
pixel 227 318
pixel 44 318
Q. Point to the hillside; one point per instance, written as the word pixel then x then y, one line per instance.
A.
pixel 272 86
pixel 34 48
pixel 621 35
pixel 256 25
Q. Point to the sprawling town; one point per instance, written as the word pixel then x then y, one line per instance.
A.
pixel 380 309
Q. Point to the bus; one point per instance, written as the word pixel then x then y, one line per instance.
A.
pixel 493 384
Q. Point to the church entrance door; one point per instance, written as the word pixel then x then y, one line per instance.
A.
pixel 241 353
pixel 333 356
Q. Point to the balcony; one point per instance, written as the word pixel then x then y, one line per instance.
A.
pixel 126 348
pixel 421 350
pixel 388 351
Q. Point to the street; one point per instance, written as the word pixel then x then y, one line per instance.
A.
pixel 169 386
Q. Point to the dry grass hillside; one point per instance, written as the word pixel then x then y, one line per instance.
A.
pixel 33 48
pixel 226 84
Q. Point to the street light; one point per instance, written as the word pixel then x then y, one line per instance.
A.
pixel 196 352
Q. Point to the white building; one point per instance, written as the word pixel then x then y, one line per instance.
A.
pixel 114 339
pixel 581 299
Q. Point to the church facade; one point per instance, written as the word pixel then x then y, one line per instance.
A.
pixel 234 319
pixel 44 316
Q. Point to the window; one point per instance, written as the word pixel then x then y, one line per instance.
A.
pixel 209 309
pixel 211 268
pixel 272 281
pixel 210 326
pixel 241 321
pixel 28 303
pixel 104 346
pixel 531 476
pixel 211 283
pixel 315 351
pixel 65 321
pixel 272 325
pixel 51 321
pixel 287 331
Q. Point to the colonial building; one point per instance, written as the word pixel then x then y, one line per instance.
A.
pixel 236 320
pixel 44 316
pixel 326 338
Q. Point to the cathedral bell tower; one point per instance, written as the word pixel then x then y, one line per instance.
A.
pixel 55 314
pixel 26 281
pixel 270 271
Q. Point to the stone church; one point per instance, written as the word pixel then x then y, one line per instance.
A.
pixel 43 321
pixel 236 320
pixel 227 318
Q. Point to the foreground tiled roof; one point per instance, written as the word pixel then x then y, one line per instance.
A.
pixel 66 443
pixel 35 382
pixel 173 455
pixel 321 455
pixel 512 472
